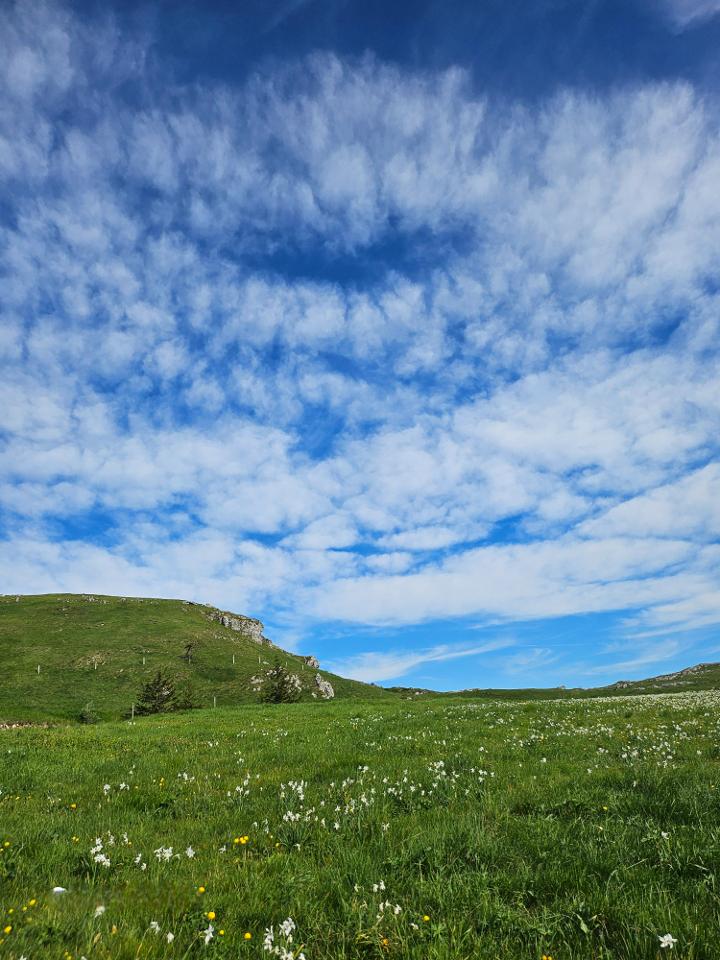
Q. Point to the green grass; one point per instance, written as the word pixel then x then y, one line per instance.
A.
pixel 581 830
pixel 93 652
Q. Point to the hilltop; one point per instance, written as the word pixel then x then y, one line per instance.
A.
pixel 101 649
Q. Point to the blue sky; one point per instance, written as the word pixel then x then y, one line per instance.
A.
pixel 395 326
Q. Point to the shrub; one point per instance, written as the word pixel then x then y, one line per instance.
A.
pixel 157 696
pixel 278 685
pixel 88 714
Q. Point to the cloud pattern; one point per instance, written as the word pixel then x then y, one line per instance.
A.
pixel 351 343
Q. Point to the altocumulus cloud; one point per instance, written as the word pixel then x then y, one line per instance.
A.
pixel 487 386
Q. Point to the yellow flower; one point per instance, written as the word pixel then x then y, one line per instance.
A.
pixel 31 903
pixel 201 890
pixel 221 933
pixel 426 918
pixel 210 914
pixel 73 806
pixel 7 929
pixel 7 843
pixel 247 936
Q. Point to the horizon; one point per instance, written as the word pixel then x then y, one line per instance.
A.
pixel 395 329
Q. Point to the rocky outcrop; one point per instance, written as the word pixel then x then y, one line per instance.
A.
pixel 325 688
pixel 311 662
pixel 248 626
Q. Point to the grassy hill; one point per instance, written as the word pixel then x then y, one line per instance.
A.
pixel 101 650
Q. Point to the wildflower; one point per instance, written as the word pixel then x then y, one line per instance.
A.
pixel 210 914
pixel 7 929
pixel 170 937
pixel 425 918
pixel 209 933
pixel 247 936
pixel 667 941
pixel 155 926
pixel 189 853
pixel 201 889
pixel 59 890
pixel 73 806
pixel 99 911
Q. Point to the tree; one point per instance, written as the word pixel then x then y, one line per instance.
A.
pixel 157 696
pixel 278 685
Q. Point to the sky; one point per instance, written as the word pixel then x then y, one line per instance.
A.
pixel 393 325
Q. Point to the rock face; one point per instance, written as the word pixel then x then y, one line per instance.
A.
pixel 248 626
pixel 324 687
pixel 312 662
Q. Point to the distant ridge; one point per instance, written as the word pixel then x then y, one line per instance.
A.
pixel 702 676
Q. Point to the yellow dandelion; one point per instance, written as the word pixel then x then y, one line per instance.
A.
pixel 247 936
pixel 201 889
pixel 426 918
pixel 210 914
pixel 7 929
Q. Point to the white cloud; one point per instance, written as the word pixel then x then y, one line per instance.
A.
pixel 554 373
pixel 374 666
pixel 686 13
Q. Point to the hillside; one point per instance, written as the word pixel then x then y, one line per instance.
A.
pixel 101 650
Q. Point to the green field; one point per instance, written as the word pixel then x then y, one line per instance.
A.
pixel 439 829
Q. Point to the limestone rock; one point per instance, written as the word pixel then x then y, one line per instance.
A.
pixel 248 626
pixel 324 687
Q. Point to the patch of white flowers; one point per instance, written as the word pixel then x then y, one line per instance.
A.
pixel 280 943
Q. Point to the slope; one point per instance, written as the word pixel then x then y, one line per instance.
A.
pixel 60 652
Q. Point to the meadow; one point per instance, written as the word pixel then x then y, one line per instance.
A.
pixel 432 828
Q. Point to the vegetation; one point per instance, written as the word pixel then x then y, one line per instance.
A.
pixel 279 685
pixel 438 829
pixel 103 649
pixel 158 696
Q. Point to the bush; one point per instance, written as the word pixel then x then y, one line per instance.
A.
pixel 157 696
pixel 278 685
pixel 88 714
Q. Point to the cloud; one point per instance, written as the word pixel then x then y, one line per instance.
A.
pixel 373 666
pixel 352 340
pixel 686 13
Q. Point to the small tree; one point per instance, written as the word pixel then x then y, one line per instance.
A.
pixel 278 685
pixel 88 714
pixel 158 696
